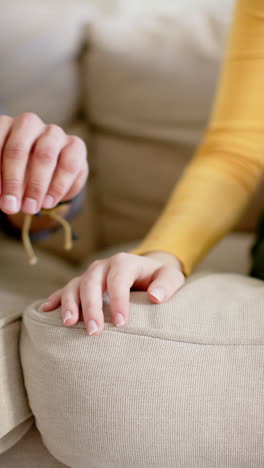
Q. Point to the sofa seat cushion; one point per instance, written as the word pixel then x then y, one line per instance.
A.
pixel 181 385
pixel 30 282
pixel 16 416
pixel 29 451
pixel 20 284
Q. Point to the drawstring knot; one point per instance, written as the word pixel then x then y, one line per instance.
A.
pixel 54 214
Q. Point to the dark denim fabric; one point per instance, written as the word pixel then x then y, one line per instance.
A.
pixel 10 230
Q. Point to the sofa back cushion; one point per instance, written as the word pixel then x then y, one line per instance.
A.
pixel 40 46
pixel 20 285
pixel 150 83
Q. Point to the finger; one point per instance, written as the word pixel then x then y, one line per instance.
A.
pixel 25 130
pixel 43 162
pixel 53 301
pixel 93 285
pixel 70 302
pixel 5 127
pixel 70 163
pixel 120 278
pixel 77 185
pixel 167 281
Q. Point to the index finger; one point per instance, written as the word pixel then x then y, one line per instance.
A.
pixel 92 287
pixel 15 155
pixel 5 127
pixel 120 279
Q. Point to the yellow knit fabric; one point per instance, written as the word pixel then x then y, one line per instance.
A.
pixel 224 173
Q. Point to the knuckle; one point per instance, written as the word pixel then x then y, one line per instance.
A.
pixel 35 189
pixel 57 190
pixel 66 302
pixel 87 283
pixel 12 185
pixel 69 164
pixel 45 155
pixel 115 297
pixel 115 292
pixel 90 305
pixel 15 149
pixel 93 266
pixel 96 263
pixel 120 257
pixel 68 287
pixel 53 128
pixel 30 117
pixel 79 143
pixel 5 119
pixel 73 283
pixel 116 277
pixel 75 140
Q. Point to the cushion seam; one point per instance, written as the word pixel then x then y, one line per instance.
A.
pixel 2 327
pixel 118 330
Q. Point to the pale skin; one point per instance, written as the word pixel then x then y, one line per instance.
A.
pixel 40 166
pixel 158 273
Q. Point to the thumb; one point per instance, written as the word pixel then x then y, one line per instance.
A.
pixel 168 280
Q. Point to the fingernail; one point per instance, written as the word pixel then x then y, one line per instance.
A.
pixel 67 315
pixel 30 205
pixel 10 203
pixel 119 320
pixel 47 304
pixel 158 293
pixel 92 327
pixel 48 202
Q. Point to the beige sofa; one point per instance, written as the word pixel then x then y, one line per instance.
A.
pixel 182 384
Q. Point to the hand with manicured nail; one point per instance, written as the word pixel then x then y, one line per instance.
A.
pixel 157 273
pixel 40 164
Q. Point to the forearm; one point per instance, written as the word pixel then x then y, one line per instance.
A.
pixel 225 171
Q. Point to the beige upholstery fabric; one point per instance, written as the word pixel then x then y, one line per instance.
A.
pixel 12 438
pixel 29 452
pixel 14 409
pixel 42 50
pixel 30 282
pixel 20 284
pixel 180 386
pixel 149 84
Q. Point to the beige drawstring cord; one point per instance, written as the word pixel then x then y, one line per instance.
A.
pixel 26 240
pixel 52 213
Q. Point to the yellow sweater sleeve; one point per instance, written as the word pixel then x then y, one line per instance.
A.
pixel 225 171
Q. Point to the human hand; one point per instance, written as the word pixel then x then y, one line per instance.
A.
pixel 158 273
pixel 40 164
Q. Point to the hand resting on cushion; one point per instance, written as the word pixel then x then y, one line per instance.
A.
pixel 158 273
